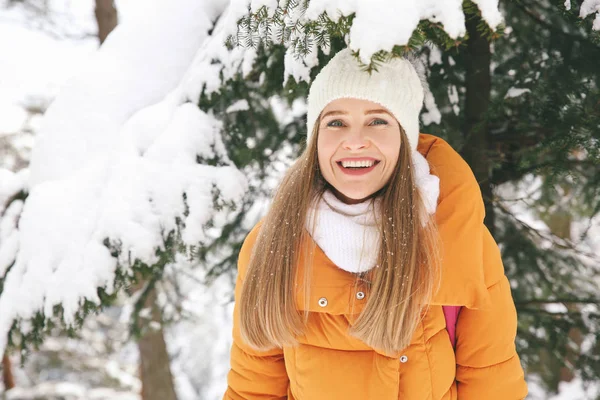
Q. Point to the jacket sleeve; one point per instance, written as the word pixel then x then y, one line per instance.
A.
pixel 253 375
pixel 487 364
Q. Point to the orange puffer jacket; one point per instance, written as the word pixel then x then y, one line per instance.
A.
pixel 328 364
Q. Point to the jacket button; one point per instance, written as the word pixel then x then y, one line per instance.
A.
pixel 403 359
pixel 322 301
pixel 360 295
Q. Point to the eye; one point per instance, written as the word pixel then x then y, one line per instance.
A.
pixel 379 121
pixel 336 123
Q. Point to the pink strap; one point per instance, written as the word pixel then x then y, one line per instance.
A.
pixel 451 315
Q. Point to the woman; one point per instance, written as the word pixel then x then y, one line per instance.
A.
pixel 373 231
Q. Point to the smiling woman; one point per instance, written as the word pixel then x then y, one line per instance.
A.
pixel 343 287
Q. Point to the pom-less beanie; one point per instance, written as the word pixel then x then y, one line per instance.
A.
pixel 395 85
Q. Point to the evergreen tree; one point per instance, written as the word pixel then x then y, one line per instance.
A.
pixel 549 132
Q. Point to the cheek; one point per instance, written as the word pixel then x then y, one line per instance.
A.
pixel 325 151
pixel 394 156
pixel 390 147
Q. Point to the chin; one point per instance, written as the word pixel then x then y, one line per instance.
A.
pixel 357 196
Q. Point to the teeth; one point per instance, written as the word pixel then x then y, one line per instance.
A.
pixel 358 164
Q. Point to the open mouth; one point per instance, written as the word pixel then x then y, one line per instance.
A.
pixel 357 165
pixel 357 168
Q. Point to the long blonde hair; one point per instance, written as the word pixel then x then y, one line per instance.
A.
pixel 400 285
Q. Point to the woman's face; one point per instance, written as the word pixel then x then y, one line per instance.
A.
pixel 358 146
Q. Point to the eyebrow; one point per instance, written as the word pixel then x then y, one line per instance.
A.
pixel 339 112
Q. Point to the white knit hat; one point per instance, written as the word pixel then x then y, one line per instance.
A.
pixel 396 85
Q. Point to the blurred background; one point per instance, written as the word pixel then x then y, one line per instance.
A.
pixel 528 125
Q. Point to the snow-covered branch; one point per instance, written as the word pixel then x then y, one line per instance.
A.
pixel 125 157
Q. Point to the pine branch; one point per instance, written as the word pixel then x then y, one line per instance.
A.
pixel 552 27
pixel 304 36
pixel 555 240
pixel 499 177
pixel 559 314
pixel 568 300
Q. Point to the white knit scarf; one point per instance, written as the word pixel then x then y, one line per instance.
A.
pixel 348 233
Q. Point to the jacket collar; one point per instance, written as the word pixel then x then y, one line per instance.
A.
pixel 459 287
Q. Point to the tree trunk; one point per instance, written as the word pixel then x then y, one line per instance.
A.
pixel 478 86
pixel 106 17
pixel 155 365
pixel 7 375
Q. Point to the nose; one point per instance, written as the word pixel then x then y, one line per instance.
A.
pixel 355 140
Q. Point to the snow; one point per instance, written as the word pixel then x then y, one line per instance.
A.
pixel 214 59
pixel 435 55
pixel 13 116
pixel 9 236
pixel 67 391
pixel 118 169
pixel 118 149
pixel 240 105
pixel 20 74
pixel 433 114
pixel 10 184
pixel 371 33
pixel 65 20
pixel 516 92
pixel 206 332
pixel 123 69
pixel 299 68
pixel 574 390
pixel 453 97
pixel 589 7
pixel 490 12
pixel 284 114
pixel 103 364
pixel 557 308
pixel 519 198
